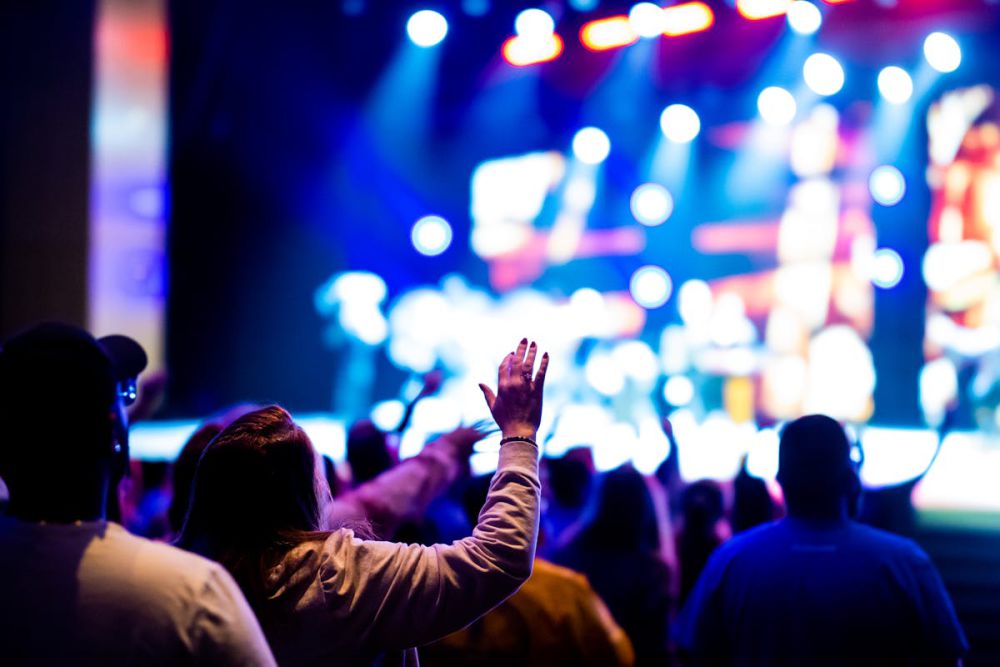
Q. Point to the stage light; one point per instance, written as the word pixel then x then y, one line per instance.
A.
pixel 687 18
pixel 823 74
pixel 680 123
pixel 604 374
pixel 887 268
pixel 650 286
pixel 521 51
pixel 387 415
pixel 591 145
pixel 427 28
pixel 678 391
pixel 942 52
pixel 776 106
pixel 651 204
pixel 695 303
pixel 887 185
pixel 762 9
pixel 534 24
pixel 609 33
pixel 584 5
pixel 804 17
pixel 646 19
pixel 431 235
pixel 895 85
pixel 476 7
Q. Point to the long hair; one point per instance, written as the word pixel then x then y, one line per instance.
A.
pixel 255 496
pixel 621 515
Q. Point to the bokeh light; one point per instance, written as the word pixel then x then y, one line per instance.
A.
pixel 651 204
pixel 804 17
pixel 887 185
pixel 776 106
pixel 823 74
pixel 680 123
pixel 591 145
pixel 895 85
pixel 427 28
pixel 942 52
pixel 650 286
pixel 431 235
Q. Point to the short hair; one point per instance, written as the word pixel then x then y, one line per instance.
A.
pixel 814 460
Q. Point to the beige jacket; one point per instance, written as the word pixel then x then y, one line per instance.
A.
pixel 346 601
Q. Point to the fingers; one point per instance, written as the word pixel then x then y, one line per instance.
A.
pixel 488 394
pixel 505 370
pixel 543 366
pixel 529 361
pixel 521 348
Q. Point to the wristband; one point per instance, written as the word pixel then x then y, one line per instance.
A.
pixel 518 438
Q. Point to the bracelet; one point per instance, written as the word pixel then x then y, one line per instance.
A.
pixel 517 438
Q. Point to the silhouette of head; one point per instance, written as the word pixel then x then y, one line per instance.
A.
pixel 367 452
pixel 621 515
pixel 570 477
pixel 702 506
pixel 256 484
pixel 62 398
pixel 815 468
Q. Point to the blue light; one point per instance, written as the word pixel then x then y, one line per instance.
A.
pixel 591 145
pixel 887 268
pixel 887 185
pixel 427 28
pixel 431 235
pixel 650 286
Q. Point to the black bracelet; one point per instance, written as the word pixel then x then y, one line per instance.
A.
pixel 517 438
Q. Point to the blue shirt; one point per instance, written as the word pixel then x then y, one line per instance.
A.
pixel 840 593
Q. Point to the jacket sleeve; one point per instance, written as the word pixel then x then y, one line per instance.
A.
pixel 401 493
pixel 394 596
pixel 224 630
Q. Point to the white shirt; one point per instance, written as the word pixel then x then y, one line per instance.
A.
pixel 91 593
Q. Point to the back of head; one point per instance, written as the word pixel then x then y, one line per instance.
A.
pixel 57 396
pixel 702 506
pixel 570 478
pixel 184 469
pixel 814 466
pixel 255 488
pixel 367 452
pixel 621 516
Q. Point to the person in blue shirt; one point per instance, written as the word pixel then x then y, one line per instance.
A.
pixel 818 588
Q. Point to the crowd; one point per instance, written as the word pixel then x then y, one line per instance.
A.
pixel 251 548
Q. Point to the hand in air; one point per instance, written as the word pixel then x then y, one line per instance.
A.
pixel 517 404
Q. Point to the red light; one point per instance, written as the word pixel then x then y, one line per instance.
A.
pixel 762 9
pixel 609 33
pixel 688 18
pixel 521 51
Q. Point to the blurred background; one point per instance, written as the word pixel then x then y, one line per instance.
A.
pixel 731 213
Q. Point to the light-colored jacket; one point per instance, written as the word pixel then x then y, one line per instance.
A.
pixel 347 601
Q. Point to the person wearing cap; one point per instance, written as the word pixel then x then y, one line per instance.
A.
pixel 76 588
pixel 818 588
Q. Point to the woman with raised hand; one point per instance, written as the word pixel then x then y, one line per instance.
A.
pixel 324 596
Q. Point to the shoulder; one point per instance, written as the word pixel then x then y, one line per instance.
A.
pixel 887 544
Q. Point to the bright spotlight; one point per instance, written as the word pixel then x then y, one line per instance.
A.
pixel 534 23
pixel 651 204
pixel 650 286
pixel 591 145
pixel 680 123
pixel 646 19
pixel 427 28
pixel 887 185
pixel 776 106
pixel 431 235
pixel 678 391
pixel 823 74
pixel 804 17
pixel 887 268
pixel 942 52
pixel 895 84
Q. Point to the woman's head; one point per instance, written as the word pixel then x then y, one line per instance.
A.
pixel 621 515
pixel 256 487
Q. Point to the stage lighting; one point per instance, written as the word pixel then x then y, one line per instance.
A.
pixel 610 33
pixel 776 105
pixel 476 7
pixel 678 391
pixel 646 19
pixel 534 23
pixel 523 51
pixel 431 235
pixel 887 268
pixel 823 74
pixel 584 5
pixel 680 123
pixel 591 145
pixel 887 185
pixel 895 85
pixel 755 10
pixel 687 18
pixel 804 17
pixel 651 204
pixel 427 28
pixel 942 52
pixel 650 286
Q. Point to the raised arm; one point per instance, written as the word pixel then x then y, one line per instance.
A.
pixel 400 596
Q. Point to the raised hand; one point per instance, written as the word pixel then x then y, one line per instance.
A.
pixel 464 438
pixel 517 405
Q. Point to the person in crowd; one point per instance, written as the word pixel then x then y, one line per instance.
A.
pixel 570 478
pixel 702 530
pixel 618 546
pixel 76 588
pixel 555 619
pixel 818 588
pixel 752 501
pixel 183 473
pixel 323 595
